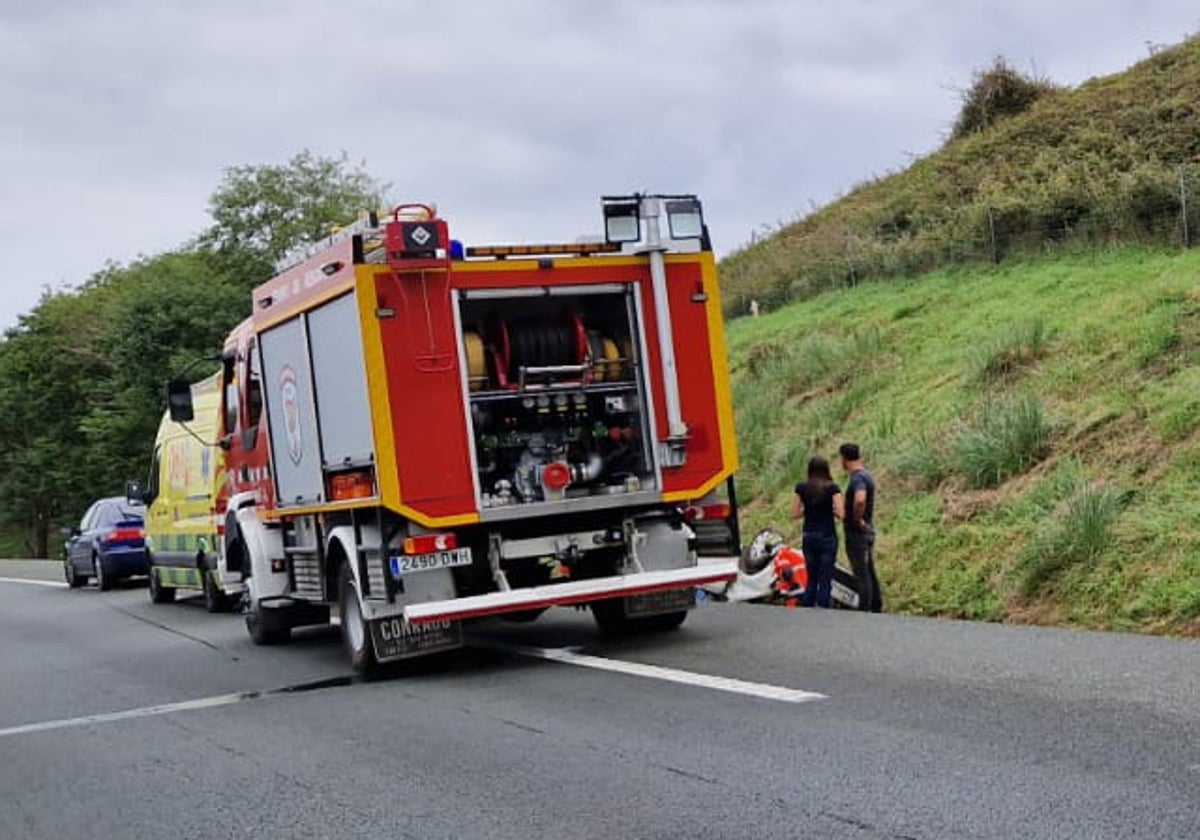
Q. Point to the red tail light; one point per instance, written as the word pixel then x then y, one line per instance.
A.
pixel 429 543
pixel 701 513
pixel 117 535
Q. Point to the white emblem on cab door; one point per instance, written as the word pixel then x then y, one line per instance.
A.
pixel 290 400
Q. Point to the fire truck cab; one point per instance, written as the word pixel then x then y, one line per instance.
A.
pixel 418 434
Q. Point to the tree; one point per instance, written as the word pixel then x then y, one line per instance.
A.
pixel 261 212
pixel 172 310
pixel 46 363
pixel 82 375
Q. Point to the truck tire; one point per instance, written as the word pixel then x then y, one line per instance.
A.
pixel 267 627
pixel 613 622
pixel 356 636
pixel 74 579
pixel 215 601
pixel 160 594
pixel 104 580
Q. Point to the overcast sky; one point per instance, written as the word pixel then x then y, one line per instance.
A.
pixel 118 117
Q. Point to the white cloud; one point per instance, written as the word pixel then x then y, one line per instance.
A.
pixel 119 117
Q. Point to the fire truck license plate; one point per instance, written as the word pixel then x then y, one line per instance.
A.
pixel 403 564
pixel 395 639
pixel 657 603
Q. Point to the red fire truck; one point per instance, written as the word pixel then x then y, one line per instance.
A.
pixel 418 434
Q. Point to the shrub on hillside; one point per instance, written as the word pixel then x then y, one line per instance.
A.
pixel 1150 194
pixel 1009 438
pixel 1103 164
pixel 995 94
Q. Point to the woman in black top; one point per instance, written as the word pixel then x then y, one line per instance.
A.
pixel 820 502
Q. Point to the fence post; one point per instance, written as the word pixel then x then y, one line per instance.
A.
pixel 853 273
pixel 992 236
pixel 1183 207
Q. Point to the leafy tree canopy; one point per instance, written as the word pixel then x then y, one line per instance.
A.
pixel 82 374
pixel 264 211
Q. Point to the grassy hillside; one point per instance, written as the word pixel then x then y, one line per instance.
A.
pixel 1035 427
pixel 1098 164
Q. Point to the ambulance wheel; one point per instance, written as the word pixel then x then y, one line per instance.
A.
pixel 267 627
pixel 613 622
pixel 356 637
pixel 74 579
pixel 160 594
pixel 215 601
pixel 104 581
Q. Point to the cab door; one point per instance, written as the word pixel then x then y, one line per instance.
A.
pixel 158 514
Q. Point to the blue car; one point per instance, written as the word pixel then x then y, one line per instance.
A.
pixel 108 545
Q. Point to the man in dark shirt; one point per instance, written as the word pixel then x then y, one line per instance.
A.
pixel 860 527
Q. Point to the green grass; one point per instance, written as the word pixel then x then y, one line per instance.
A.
pixel 1048 471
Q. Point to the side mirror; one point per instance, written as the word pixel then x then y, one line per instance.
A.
pixel 134 493
pixel 179 401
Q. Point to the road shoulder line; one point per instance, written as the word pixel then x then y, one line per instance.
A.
pixel 57 584
pixel 570 656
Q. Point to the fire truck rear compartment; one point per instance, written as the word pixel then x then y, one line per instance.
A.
pixel 557 397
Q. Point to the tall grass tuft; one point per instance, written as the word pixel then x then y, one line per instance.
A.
pixel 1078 534
pixel 923 461
pixel 1009 438
pixel 1017 347
pixel 1159 334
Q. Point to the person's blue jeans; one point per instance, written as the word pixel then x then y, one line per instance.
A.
pixel 820 556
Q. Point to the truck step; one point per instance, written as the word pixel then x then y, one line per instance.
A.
pixel 575 592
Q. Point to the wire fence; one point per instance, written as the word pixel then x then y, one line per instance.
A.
pixel 1163 211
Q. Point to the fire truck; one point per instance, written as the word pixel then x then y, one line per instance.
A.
pixel 418 434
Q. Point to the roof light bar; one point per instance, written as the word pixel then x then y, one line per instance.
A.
pixel 578 248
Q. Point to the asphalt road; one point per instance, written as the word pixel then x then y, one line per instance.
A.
pixel 925 729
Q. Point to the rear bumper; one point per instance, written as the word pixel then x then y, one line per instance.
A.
pixel 126 560
pixel 575 592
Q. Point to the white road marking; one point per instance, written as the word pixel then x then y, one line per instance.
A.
pixel 569 656
pixel 130 714
pixel 57 584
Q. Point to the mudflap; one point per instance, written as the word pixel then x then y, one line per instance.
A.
pixel 395 638
pixel 659 603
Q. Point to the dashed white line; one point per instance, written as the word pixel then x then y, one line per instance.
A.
pixel 57 584
pixel 130 714
pixel 765 691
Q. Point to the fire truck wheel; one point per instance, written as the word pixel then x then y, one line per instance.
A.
pixel 267 627
pixel 104 581
pixel 159 594
pixel 355 635
pixel 613 622
pixel 215 600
